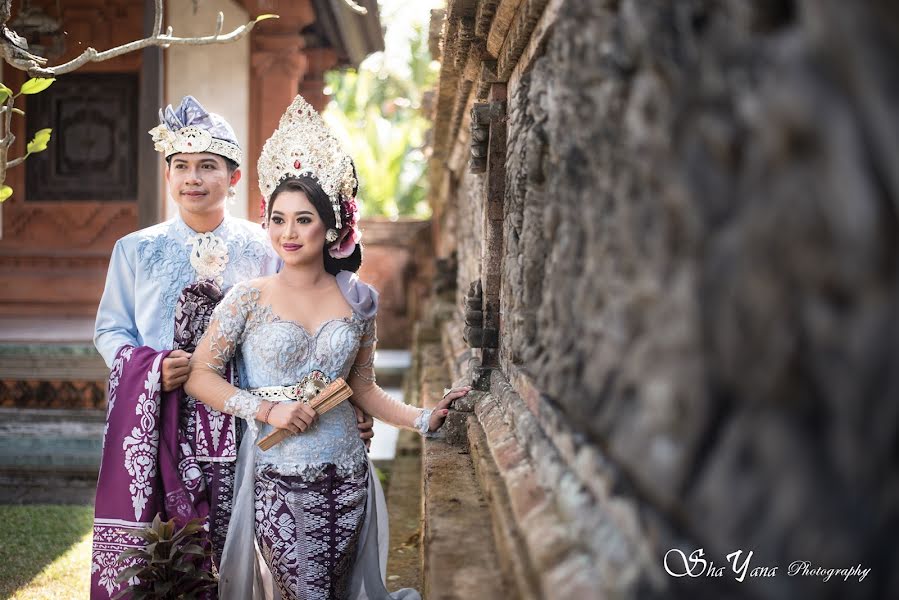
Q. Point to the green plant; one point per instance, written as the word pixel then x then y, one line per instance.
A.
pixel 171 565
pixel 7 110
pixel 376 113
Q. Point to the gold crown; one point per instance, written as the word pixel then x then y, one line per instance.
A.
pixel 303 145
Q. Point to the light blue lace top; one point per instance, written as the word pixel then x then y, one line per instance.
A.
pixel 150 267
pixel 273 351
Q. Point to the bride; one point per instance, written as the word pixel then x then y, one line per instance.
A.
pixel 308 512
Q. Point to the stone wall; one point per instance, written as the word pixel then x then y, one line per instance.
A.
pixel 699 303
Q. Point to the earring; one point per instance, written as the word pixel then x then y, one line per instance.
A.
pixel 231 192
pixel 331 236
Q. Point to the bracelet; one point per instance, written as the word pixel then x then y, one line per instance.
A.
pixel 422 423
pixel 268 411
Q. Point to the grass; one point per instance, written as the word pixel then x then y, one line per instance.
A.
pixel 45 551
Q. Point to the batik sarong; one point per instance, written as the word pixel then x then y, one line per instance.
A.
pixel 213 435
pixel 307 531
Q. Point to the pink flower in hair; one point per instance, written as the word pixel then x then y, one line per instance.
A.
pixel 346 242
pixel 352 211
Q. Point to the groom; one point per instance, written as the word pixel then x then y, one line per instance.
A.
pixel 163 452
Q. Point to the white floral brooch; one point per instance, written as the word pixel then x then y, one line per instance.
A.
pixel 209 256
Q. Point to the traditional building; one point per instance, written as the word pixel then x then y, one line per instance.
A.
pixel 667 240
pixel 100 178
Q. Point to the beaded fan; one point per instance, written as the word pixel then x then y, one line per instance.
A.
pixel 304 146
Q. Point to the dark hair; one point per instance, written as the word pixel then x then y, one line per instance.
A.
pixel 321 202
pixel 229 164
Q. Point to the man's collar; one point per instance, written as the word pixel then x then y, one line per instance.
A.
pixel 188 232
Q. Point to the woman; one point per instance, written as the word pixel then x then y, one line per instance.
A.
pixel 310 500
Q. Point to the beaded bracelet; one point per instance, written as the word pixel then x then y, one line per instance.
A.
pixel 268 411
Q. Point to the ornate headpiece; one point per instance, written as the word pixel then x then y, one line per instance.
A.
pixel 304 146
pixel 189 128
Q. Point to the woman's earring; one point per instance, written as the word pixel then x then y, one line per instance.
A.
pixel 331 236
pixel 231 193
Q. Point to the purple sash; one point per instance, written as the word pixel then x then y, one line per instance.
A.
pixel 145 469
pixel 215 438
pixel 150 460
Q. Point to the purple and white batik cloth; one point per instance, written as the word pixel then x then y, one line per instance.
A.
pixel 145 469
pixel 163 453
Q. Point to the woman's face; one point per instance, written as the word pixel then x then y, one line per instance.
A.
pixel 296 230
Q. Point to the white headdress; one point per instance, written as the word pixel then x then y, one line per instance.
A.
pixel 304 146
pixel 190 128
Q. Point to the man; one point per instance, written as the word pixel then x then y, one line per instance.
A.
pixel 163 452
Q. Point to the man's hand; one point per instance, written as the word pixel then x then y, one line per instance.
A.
pixel 364 423
pixel 296 417
pixel 175 369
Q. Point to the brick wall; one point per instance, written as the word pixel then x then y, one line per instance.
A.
pixel 398 262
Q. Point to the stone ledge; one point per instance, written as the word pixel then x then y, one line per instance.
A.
pixel 577 544
pixel 458 550
pixel 513 556
pixel 459 555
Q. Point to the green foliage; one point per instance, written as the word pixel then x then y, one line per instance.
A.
pixel 34 85
pixel 170 566
pixel 376 113
pixel 39 143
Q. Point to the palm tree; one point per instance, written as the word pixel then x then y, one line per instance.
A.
pixel 376 113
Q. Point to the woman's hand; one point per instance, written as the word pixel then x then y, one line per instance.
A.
pixel 442 408
pixel 296 417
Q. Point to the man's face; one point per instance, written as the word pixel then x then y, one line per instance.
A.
pixel 199 182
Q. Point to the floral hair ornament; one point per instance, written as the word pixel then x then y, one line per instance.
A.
pixel 303 146
pixel 350 235
pixel 191 129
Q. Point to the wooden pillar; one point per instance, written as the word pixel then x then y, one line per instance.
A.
pixel 150 195
pixel 278 64
pixel 312 87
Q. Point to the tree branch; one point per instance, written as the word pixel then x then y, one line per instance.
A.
pixel 158 38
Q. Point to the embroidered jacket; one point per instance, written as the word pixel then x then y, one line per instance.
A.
pixel 150 267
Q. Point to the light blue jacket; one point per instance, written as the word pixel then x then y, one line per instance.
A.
pixel 150 267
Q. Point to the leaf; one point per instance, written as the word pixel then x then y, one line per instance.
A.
pixel 194 549
pixel 5 192
pixel 39 143
pixel 132 553
pixel 162 587
pixel 128 573
pixel 36 85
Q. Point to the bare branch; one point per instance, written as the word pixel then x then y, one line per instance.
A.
pixel 14 50
pixel 157 18
pixel 157 39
